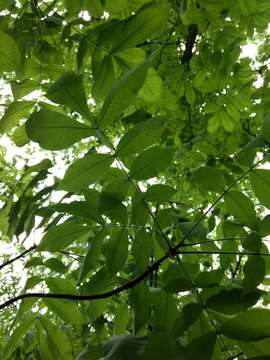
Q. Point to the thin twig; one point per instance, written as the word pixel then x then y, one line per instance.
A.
pixel 10 261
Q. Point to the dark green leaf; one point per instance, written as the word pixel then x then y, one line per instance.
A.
pixel 118 245
pixel 202 347
pixel 254 271
pixel 123 347
pixel 55 131
pixel 241 207
pixel 142 248
pixel 10 57
pixel 232 301
pixel 190 313
pixel 123 93
pixel 252 325
pixel 159 193
pixel 61 236
pixel 210 178
pixel 151 162
pixel 260 182
pixel 85 171
pixel 91 258
pixel 58 340
pixel 141 136
pixel 16 337
pixel 68 90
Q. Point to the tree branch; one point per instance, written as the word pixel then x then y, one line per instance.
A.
pixel 152 268
pixel 105 295
pixel 190 42
pixel 10 261
pixel 222 253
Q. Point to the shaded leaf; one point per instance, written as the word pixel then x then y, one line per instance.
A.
pixel 151 162
pixel 85 171
pixel 118 246
pixel 241 207
pixel 68 90
pixel 61 236
pixel 55 131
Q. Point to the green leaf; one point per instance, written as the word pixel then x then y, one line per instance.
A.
pixel 85 171
pixel 98 283
pixel 43 343
pixel 57 340
pixel 260 182
pixel 68 90
pixel 159 193
pixel 66 310
pixel 14 113
pixel 139 299
pixel 190 313
pixel 19 136
pixel 254 271
pixel 60 285
pixel 10 57
pixel 202 347
pixel 123 93
pixel 55 265
pixel 121 319
pixel 265 131
pixel 210 178
pixel 61 236
pixel 55 131
pixel 252 325
pixel 162 346
pixel 142 247
pixel 118 245
pixel 264 226
pixel 150 19
pixel 151 162
pixel 165 312
pixel 104 78
pixel 151 91
pixel 232 301
pixel 90 352
pixel 241 207
pixel 141 136
pixel 258 350
pixel 20 89
pixel 84 209
pixel 94 7
pixel 209 278
pixel 16 337
pixel 91 258
pixel 139 212
pixel 124 347
pixel 252 242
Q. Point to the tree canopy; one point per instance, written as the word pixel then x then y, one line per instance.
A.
pixel 152 189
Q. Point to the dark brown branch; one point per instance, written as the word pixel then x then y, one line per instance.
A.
pixel 205 242
pixel 237 267
pixel 147 272
pixel 105 295
pixel 222 253
pixel 190 42
pixel 10 261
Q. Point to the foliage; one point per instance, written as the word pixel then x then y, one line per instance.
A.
pixel 154 240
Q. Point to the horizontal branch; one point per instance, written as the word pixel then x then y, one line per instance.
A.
pixel 148 271
pixel 222 253
pixel 104 295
